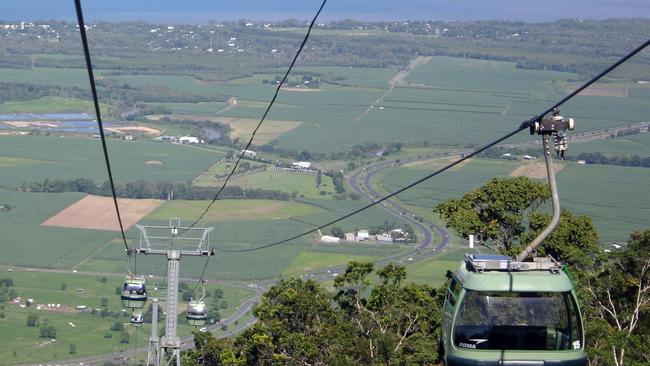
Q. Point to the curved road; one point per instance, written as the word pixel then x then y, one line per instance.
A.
pixel 361 183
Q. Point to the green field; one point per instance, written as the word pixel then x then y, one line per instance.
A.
pixel 89 330
pixel 304 184
pixel 71 158
pixel 49 105
pixel 25 242
pixel 613 196
pixel 47 76
pixel 453 183
pixel 232 210
pixel 638 144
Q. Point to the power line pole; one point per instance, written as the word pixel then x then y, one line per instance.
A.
pixel 177 246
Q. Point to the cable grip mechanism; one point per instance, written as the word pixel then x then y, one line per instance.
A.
pixel 554 125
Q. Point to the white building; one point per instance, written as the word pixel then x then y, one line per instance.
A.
pixel 399 235
pixel 329 239
pixel 350 237
pixel 363 235
pixel 249 153
pixel 188 140
pixel 385 237
pixel 302 165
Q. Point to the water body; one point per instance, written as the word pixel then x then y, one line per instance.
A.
pixel 45 116
pixel 14 117
pixel 201 11
pixel 65 122
pixel 62 116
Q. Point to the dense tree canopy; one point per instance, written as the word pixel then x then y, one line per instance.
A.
pixel 301 323
pixel 617 304
pixel 496 211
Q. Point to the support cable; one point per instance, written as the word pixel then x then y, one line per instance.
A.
pixel 524 125
pixel 91 78
pixel 250 141
pixel 266 112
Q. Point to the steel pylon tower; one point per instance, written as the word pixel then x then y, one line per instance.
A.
pixel 173 241
pixel 153 354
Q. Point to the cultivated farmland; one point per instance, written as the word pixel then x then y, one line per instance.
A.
pixel 71 158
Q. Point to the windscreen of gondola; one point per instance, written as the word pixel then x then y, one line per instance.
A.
pixel 518 321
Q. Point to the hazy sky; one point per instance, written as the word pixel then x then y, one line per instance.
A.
pixel 200 11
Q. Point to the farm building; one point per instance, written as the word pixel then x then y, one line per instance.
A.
pixel 329 239
pixel 350 237
pixel 399 235
pixel 249 153
pixel 385 237
pixel 188 140
pixel 363 235
pixel 165 138
pixel 302 165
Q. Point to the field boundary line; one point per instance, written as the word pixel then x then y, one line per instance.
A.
pixel 86 259
pixel 397 80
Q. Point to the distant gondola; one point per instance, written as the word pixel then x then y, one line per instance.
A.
pixel 134 292
pixel 196 313
pixel 137 320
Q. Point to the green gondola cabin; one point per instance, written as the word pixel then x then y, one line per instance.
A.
pixel 501 312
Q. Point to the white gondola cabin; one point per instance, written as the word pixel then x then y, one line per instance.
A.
pixel 137 320
pixel 134 292
pixel 196 313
